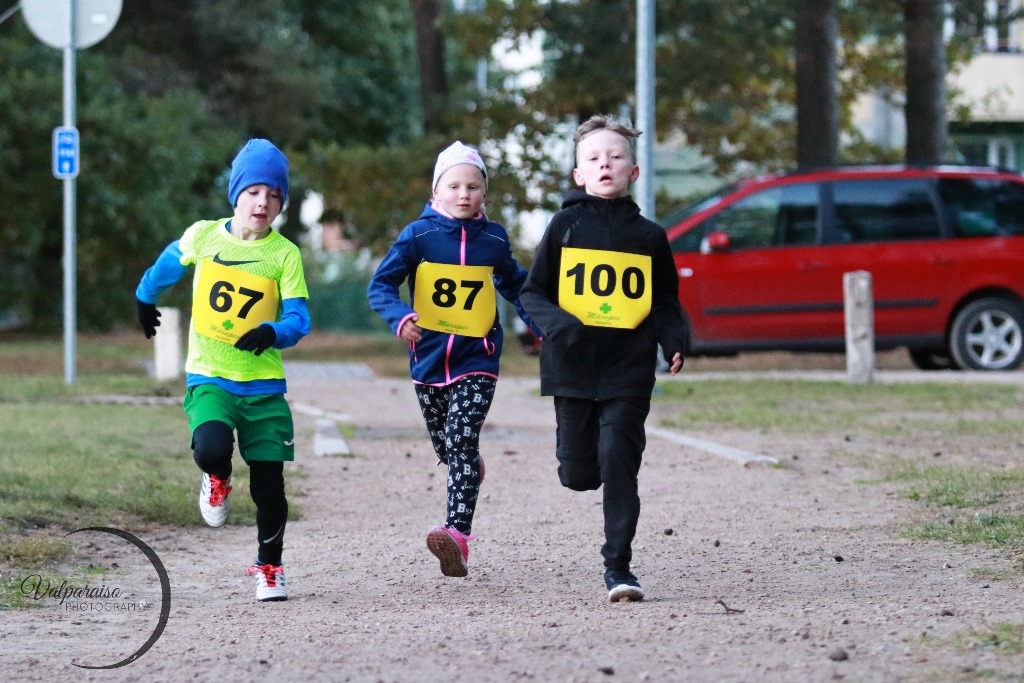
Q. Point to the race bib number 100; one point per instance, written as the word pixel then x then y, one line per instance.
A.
pixel 455 299
pixel 228 302
pixel 605 288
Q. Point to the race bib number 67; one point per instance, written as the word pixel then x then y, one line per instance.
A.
pixel 455 299
pixel 228 302
pixel 605 288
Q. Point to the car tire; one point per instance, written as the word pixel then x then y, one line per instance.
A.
pixel 988 334
pixel 931 359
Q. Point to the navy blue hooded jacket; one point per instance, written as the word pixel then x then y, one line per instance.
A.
pixel 440 358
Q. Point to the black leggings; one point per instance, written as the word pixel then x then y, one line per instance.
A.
pixel 454 415
pixel 212 445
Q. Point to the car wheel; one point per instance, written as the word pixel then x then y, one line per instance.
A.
pixel 988 334
pixel 930 359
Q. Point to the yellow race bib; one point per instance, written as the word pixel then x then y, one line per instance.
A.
pixel 605 288
pixel 228 302
pixel 455 299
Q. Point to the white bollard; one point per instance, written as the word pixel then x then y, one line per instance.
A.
pixel 859 312
pixel 167 345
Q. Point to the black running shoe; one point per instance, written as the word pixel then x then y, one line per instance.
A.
pixel 622 586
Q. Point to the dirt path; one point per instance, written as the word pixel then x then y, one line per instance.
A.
pixel 754 573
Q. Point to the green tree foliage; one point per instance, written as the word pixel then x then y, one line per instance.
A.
pixel 170 95
pixel 725 79
pixel 375 189
pixel 724 69
pixel 365 59
pixel 163 104
pixel 28 92
pixel 145 166
pixel 291 71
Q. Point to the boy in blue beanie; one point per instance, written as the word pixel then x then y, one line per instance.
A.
pixel 248 301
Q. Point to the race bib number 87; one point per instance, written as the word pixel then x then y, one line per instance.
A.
pixel 455 299
pixel 228 302
pixel 605 288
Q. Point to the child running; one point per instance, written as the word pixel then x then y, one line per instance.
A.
pixel 454 259
pixel 603 289
pixel 248 300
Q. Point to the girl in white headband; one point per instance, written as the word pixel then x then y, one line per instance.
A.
pixel 454 260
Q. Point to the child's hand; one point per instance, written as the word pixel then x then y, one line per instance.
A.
pixel 149 318
pixel 257 340
pixel 677 363
pixel 410 330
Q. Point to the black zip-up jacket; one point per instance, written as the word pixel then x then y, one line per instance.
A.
pixel 600 363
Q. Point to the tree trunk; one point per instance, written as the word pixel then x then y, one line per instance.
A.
pixel 926 81
pixel 817 99
pixel 430 50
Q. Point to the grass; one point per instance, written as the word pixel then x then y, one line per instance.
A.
pixel 974 506
pixel 1004 638
pixel 82 465
pixel 28 553
pixel 957 487
pixel 898 428
pixel 785 406
pixel 70 463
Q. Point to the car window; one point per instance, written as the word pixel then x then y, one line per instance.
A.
pixel 1009 200
pixel 797 220
pixel 699 204
pixel 885 209
pixel 971 203
pixel 784 215
pixel 691 239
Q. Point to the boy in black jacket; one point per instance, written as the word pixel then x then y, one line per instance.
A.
pixel 604 291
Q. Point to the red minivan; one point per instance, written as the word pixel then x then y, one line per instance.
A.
pixel 761 262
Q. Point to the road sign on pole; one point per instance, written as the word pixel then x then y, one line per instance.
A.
pixel 65 152
pixel 94 19
pixel 69 25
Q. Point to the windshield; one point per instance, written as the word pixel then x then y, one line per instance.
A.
pixel 702 202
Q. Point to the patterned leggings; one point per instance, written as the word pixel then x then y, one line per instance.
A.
pixel 454 415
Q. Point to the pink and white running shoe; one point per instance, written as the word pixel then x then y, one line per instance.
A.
pixel 451 547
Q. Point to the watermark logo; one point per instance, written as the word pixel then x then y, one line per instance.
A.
pixel 104 598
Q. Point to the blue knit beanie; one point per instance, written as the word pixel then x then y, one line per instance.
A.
pixel 258 163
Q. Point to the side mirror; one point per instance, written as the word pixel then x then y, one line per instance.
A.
pixel 716 241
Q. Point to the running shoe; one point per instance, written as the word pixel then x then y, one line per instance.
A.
pixel 451 547
pixel 213 499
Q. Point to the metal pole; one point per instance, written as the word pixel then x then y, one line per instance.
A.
pixel 70 239
pixel 645 105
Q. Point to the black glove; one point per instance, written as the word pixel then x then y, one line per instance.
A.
pixel 149 318
pixel 257 340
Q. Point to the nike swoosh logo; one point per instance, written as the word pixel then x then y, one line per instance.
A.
pixel 218 259
pixel 289 443
pixel 274 537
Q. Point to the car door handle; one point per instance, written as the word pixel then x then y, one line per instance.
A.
pixel 806 266
pixel 938 260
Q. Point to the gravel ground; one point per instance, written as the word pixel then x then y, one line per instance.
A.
pixel 754 572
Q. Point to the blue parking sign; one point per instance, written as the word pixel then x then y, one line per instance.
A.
pixel 65 152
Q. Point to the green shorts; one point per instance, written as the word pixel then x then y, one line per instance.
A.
pixel 263 423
